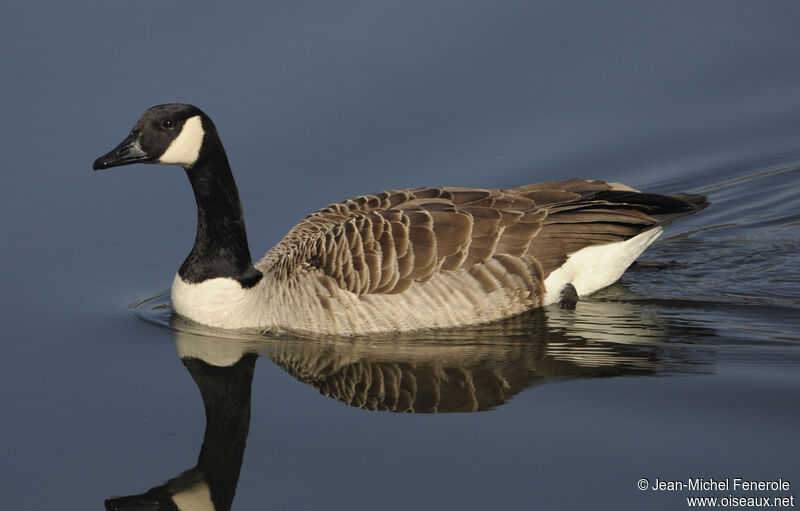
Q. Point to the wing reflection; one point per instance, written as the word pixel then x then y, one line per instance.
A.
pixel 464 370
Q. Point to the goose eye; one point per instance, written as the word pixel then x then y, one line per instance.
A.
pixel 167 123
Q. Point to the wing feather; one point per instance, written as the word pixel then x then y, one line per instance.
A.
pixel 384 243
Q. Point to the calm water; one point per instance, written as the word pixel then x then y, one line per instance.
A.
pixel 686 369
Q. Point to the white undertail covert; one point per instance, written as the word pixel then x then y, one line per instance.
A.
pixel 597 266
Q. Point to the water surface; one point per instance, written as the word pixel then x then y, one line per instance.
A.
pixel 686 368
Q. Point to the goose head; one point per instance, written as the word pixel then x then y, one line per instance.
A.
pixel 173 134
pixel 179 134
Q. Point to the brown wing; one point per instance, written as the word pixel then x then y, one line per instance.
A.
pixel 383 243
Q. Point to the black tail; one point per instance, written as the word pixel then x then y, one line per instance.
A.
pixel 695 199
pixel 665 208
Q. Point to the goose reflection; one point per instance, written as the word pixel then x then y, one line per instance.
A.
pixel 464 370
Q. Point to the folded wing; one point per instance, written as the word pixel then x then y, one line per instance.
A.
pixel 387 242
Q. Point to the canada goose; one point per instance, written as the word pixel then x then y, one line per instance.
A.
pixel 396 260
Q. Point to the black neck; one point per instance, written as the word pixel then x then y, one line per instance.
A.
pixel 220 248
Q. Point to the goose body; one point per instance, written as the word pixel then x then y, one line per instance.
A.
pixel 396 260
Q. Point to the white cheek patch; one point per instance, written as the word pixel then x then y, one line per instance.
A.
pixel 196 498
pixel 185 149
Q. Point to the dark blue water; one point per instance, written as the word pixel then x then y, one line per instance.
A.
pixel 689 369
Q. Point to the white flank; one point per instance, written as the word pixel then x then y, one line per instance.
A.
pixel 593 268
pixel 185 149
pixel 196 498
